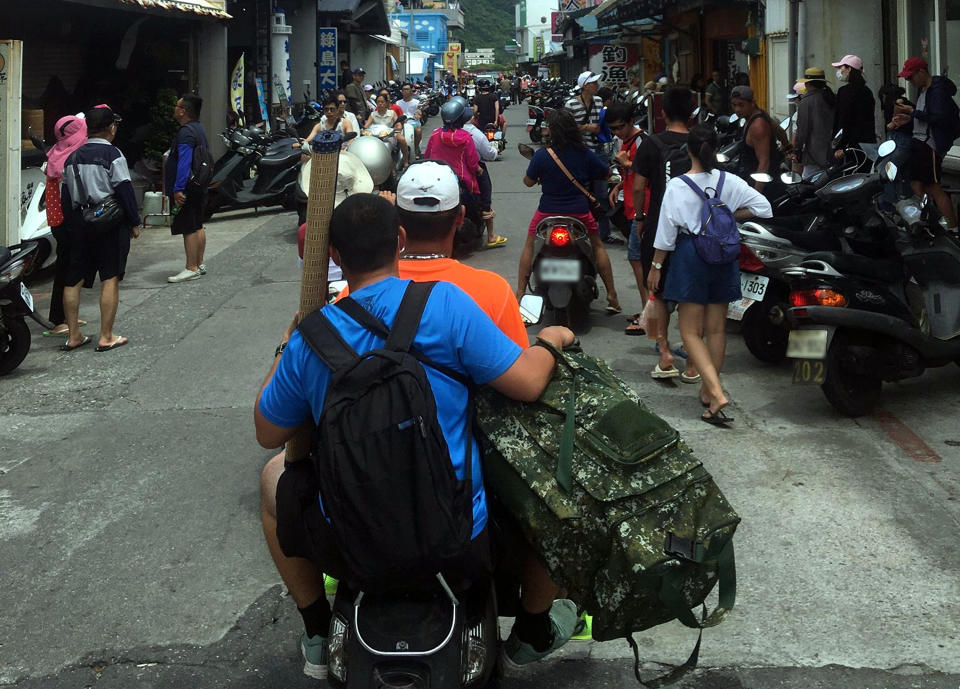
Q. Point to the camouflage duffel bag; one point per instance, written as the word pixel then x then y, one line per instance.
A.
pixel 615 505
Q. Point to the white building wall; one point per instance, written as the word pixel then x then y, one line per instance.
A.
pixel 303 51
pixel 370 54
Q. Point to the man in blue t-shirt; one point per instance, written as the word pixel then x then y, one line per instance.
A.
pixel 455 333
pixel 187 209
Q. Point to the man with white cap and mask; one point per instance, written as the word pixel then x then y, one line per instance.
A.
pixel 585 108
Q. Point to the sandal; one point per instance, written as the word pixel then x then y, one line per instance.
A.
pixel 66 347
pixel 634 328
pixel 119 342
pixel 56 332
pixel 499 240
pixel 716 418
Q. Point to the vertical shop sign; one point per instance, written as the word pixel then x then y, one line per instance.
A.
pixel 11 53
pixel 263 104
pixel 555 35
pixel 614 69
pixel 236 90
pixel 326 59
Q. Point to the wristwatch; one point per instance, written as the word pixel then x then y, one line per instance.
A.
pixel 279 349
pixel 656 265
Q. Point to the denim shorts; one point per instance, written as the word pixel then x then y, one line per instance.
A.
pixel 634 250
pixel 691 280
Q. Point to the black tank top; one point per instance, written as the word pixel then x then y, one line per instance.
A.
pixel 748 159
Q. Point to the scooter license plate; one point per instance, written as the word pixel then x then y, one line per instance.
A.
pixel 26 296
pixel 807 344
pixel 807 372
pixel 530 123
pixel 752 287
pixel 498 136
pixel 559 270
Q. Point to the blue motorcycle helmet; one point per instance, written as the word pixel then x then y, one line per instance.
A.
pixel 456 113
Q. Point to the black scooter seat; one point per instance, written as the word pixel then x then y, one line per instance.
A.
pixel 882 269
pixel 280 159
pixel 795 229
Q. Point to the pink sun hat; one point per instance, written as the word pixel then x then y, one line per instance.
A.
pixel 850 61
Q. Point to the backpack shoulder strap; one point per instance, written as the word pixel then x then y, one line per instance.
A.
pixel 407 322
pixel 326 342
pixel 719 185
pixel 700 192
pixel 363 317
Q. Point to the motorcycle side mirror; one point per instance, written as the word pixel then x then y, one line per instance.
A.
pixel 791 178
pixel 740 122
pixel 531 309
pixel 526 151
pixel 886 148
pixel 761 177
pixel 837 139
pixel 723 158
pixel 696 114
pixel 890 171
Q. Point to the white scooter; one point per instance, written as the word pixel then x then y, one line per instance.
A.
pixel 33 214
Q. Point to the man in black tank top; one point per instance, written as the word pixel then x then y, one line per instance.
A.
pixel 760 153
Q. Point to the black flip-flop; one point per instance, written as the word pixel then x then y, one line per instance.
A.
pixel 717 418
pixel 106 348
pixel 69 348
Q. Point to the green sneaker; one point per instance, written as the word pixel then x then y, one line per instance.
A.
pixel 584 630
pixel 314 651
pixel 563 619
pixel 330 585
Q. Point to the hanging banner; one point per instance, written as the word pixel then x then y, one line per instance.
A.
pixel 11 53
pixel 326 59
pixel 236 90
pixel 450 61
pixel 454 48
pixel 263 104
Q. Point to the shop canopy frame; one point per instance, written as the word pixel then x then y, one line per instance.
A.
pixel 206 8
pixel 358 16
pixel 619 12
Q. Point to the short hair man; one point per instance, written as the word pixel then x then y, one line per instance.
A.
pixel 356 95
pixel 659 158
pixel 934 125
pixel 92 173
pixel 411 108
pixel 454 333
pixel 188 221
pixel 760 153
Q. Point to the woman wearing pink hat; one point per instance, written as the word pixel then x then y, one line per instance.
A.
pixel 71 133
pixel 855 106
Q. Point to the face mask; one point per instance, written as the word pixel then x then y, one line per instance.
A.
pixel 841 76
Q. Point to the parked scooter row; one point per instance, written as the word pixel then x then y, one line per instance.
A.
pixel 16 304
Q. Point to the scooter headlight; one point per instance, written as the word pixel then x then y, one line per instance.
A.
pixel 475 654
pixel 337 648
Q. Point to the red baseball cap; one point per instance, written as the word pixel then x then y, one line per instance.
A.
pixel 912 66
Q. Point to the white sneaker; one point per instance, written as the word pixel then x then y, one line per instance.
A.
pixel 203 268
pixel 185 275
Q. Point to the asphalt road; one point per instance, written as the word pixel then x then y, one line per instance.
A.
pixel 130 544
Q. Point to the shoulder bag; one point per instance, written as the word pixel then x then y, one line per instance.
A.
pixel 595 208
pixel 101 216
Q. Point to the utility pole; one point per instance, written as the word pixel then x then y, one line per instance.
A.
pixel 792 50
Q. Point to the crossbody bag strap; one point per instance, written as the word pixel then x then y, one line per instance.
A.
pixel 80 188
pixel 573 180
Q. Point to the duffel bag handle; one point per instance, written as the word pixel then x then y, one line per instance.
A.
pixel 564 473
pixel 672 598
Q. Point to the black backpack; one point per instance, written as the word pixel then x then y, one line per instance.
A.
pixel 201 167
pixel 387 483
pixel 676 162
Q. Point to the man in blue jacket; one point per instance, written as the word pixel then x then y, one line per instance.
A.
pixel 188 209
pixel 935 121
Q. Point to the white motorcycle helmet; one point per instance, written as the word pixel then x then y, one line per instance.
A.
pixel 375 155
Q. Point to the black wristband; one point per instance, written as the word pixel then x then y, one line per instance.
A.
pixel 550 347
pixel 279 350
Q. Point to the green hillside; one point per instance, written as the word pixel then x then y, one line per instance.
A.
pixel 488 24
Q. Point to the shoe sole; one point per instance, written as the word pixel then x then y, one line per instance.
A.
pixel 192 277
pixel 314 671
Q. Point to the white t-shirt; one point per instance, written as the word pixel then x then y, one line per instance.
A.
pixel 409 108
pixel 682 206
pixel 485 148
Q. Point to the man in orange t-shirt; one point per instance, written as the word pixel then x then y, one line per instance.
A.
pixel 428 203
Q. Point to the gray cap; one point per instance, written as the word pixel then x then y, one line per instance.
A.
pixel 742 92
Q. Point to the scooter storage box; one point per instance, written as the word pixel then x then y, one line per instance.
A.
pixel 155 211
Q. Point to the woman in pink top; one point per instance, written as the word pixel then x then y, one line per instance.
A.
pixel 454 146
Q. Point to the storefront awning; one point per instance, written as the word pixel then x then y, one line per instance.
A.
pixel 361 16
pixel 621 11
pixel 208 8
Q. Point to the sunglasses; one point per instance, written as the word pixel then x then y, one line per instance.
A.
pixel 342 102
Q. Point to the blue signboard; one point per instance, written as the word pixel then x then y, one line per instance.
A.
pixel 326 59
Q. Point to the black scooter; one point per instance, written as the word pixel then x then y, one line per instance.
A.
pixel 16 303
pixel 564 270
pixel 257 170
pixel 859 321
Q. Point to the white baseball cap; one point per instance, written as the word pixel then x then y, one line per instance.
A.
pixel 586 78
pixel 428 187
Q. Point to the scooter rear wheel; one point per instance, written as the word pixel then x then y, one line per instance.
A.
pixel 850 393
pixel 14 344
pixel 765 339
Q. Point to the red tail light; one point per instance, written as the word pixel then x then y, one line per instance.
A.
pixel 560 236
pixel 749 261
pixel 817 297
pixel 531 114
